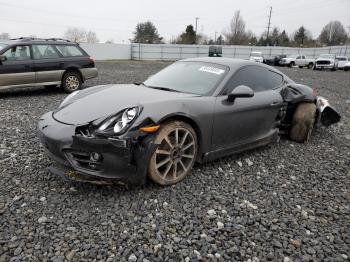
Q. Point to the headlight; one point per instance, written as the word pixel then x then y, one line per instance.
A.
pixel 119 122
pixel 69 97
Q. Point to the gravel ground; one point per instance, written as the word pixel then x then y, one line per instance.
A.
pixel 284 202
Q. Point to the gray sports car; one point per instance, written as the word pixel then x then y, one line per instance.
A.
pixel 195 110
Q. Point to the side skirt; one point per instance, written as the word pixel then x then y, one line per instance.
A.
pixel 210 156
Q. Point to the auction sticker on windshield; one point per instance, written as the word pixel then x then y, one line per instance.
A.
pixel 213 70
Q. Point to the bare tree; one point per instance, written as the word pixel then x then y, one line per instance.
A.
pixel 75 34
pixel 235 34
pixel 333 33
pixel 4 36
pixel 91 37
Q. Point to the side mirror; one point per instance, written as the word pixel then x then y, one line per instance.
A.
pixel 3 58
pixel 240 91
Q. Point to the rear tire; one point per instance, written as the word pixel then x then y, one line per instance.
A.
pixel 303 122
pixel 71 82
pixel 300 66
pixel 175 156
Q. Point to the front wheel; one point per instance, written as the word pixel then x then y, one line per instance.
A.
pixel 291 64
pixel 310 65
pixel 303 122
pixel 176 153
pixel 71 82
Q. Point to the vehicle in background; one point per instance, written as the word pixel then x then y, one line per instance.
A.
pixel 215 51
pixel 289 60
pixel 304 61
pixel 326 61
pixel 274 60
pixel 347 66
pixel 44 62
pixel 342 60
pixel 256 57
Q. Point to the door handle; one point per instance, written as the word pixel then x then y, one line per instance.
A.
pixel 275 103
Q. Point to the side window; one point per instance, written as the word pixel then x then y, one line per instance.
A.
pixel 254 77
pixel 18 53
pixel 273 79
pixel 44 52
pixel 69 50
pixel 299 57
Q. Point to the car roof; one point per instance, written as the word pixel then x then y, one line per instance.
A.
pixel 232 63
pixel 29 40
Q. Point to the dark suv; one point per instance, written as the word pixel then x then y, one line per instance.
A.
pixel 44 62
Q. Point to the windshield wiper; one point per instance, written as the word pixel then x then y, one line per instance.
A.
pixel 164 89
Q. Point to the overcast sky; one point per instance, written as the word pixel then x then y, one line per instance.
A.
pixel 116 19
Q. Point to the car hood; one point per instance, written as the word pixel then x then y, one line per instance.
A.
pixel 102 101
pixel 325 59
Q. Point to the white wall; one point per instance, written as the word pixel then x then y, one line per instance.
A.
pixel 108 51
pixel 176 52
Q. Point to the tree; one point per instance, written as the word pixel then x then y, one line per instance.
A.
pixel 4 36
pixel 333 33
pixel 91 37
pixel 75 34
pixel 147 33
pixel 302 36
pixel 283 39
pixel 235 34
pixel 188 37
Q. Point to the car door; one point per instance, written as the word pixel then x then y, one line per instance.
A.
pixel 247 119
pixel 299 60
pixel 17 69
pixel 48 64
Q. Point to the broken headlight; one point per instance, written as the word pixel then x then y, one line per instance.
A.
pixel 119 123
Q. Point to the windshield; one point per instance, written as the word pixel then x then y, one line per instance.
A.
pixel 341 58
pixel 189 77
pixel 326 56
pixel 2 45
pixel 293 56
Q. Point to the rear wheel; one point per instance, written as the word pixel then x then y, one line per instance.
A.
pixel 174 158
pixel 300 66
pixel 71 82
pixel 303 122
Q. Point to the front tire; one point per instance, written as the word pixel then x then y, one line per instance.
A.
pixel 310 65
pixel 303 122
pixel 71 82
pixel 291 64
pixel 174 158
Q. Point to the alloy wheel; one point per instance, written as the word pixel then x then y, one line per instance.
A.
pixel 176 154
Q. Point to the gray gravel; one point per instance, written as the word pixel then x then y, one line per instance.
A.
pixel 284 202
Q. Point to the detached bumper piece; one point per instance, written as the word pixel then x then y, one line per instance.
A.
pixel 327 114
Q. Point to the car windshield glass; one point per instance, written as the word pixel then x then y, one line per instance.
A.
pixel 341 58
pixel 293 56
pixel 255 54
pixel 2 46
pixel 326 56
pixel 188 77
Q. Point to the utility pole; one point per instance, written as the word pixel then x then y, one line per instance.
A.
pixel 215 37
pixel 197 18
pixel 268 26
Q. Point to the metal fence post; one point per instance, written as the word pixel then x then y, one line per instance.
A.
pixel 161 52
pixel 180 52
pixel 234 52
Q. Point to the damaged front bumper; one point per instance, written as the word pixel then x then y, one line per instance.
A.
pixel 93 159
pixel 327 115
